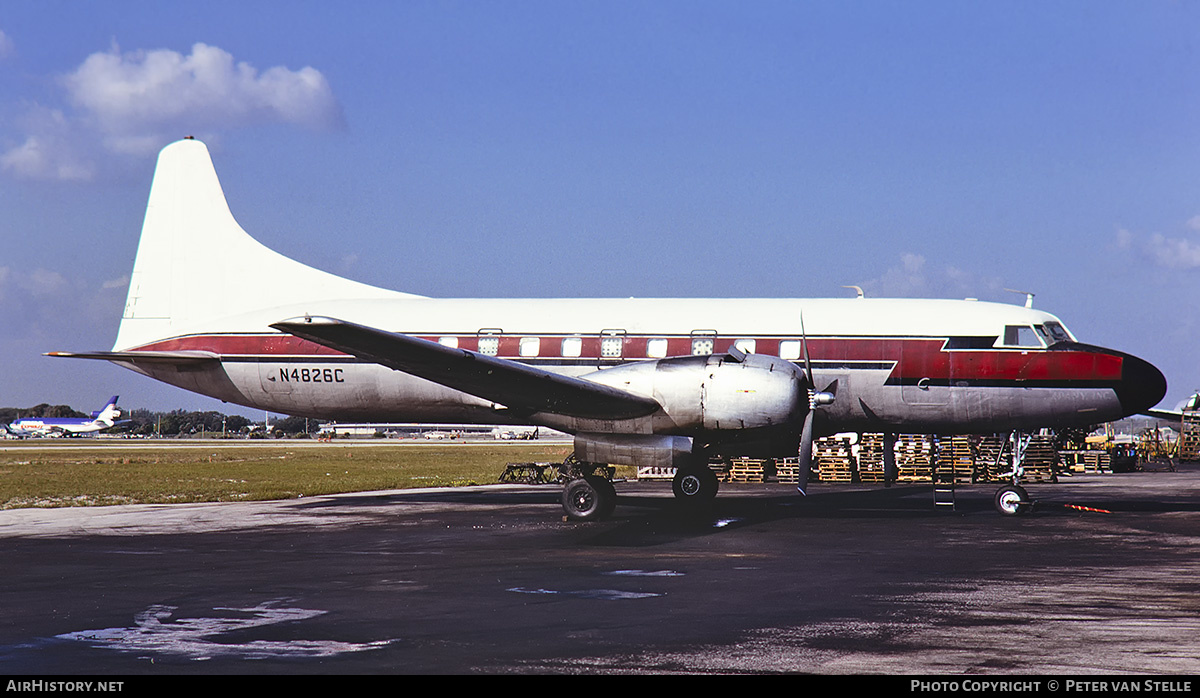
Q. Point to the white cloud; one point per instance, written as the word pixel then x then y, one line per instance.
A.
pixel 127 94
pixel 135 102
pixel 49 150
pixel 120 282
pixel 914 278
pixel 1176 253
pixel 43 283
pixel 906 280
pixel 42 158
pixel 1124 239
pixel 6 46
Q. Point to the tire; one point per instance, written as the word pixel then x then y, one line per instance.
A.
pixel 589 498
pixel 1012 500
pixel 695 485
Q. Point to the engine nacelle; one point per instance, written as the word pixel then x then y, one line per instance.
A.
pixel 716 393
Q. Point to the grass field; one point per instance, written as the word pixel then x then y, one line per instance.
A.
pixel 112 474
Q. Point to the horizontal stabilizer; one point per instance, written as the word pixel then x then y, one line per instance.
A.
pixel 148 357
pixel 512 384
pixel 1164 414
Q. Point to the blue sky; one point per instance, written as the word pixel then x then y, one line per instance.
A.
pixel 542 149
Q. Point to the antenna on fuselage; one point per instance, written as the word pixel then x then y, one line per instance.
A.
pixel 858 289
pixel 1028 296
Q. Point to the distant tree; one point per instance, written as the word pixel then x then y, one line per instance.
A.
pixel 8 414
pixel 293 426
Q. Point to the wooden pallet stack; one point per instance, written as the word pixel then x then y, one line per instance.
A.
pixel 834 459
pixel 1097 462
pixel 1041 460
pixel 955 459
pixel 746 470
pixel 788 469
pixel 870 458
pixel 914 458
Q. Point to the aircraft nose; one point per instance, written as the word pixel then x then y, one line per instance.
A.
pixel 1142 385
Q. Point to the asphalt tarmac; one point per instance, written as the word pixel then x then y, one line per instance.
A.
pixel 849 580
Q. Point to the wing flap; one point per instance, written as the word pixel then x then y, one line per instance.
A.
pixel 515 385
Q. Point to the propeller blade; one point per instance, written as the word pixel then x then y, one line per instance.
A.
pixel 806 449
pixel 808 374
pixel 890 471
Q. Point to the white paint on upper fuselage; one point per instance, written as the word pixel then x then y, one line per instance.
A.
pixel 195 266
pixel 752 317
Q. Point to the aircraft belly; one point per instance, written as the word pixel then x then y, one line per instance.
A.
pixel 211 379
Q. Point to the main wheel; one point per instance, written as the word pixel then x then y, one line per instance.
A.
pixel 695 485
pixel 589 498
pixel 1012 500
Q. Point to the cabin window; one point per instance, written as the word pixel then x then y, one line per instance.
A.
pixel 572 346
pixel 530 346
pixel 746 345
pixel 971 342
pixel 790 349
pixel 656 348
pixel 451 342
pixel 489 344
pixel 1021 336
pixel 610 347
pixel 702 345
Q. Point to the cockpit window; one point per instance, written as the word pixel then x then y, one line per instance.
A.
pixel 1056 332
pixel 1021 336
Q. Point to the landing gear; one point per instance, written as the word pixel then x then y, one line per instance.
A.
pixel 588 494
pixel 1012 500
pixel 589 498
pixel 695 485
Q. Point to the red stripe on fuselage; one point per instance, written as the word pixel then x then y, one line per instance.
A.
pixel 914 358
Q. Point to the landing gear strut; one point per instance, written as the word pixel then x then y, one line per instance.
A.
pixel 1012 499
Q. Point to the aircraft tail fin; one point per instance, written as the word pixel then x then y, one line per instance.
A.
pixel 195 264
pixel 110 413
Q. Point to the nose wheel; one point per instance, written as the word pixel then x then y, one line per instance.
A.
pixel 1012 500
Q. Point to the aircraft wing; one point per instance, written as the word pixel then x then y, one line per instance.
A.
pixel 509 383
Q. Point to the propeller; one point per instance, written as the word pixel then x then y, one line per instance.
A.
pixel 815 399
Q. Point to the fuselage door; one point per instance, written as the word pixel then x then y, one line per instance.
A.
pixel 927 372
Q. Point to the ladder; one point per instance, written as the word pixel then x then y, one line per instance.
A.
pixel 943 488
pixel 1189 436
pixel 943 477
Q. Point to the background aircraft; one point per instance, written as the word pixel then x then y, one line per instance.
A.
pixel 68 426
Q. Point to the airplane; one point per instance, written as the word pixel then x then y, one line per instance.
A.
pixel 1190 403
pixel 646 382
pixel 68 426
